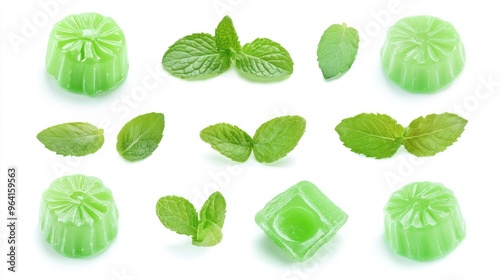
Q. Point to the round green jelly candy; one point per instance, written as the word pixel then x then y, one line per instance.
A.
pixel 423 221
pixel 422 54
pixel 87 54
pixel 78 216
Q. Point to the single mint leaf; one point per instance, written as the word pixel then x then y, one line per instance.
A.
pixel 264 58
pixel 226 38
pixel 177 214
pixel 209 234
pixel 337 50
pixel 228 140
pixel 195 57
pixel 429 135
pixel 140 137
pixel 373 135
pixel 72 139
pixel 214 210
pixel 276 138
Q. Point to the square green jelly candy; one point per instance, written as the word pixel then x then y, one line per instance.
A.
pixel 301 220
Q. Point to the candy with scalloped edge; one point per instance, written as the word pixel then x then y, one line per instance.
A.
pixel 422 54
pixel 78 216
pixel 87 54
pixel 423 221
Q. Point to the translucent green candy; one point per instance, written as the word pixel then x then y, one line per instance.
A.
pixel 423 221
pixel 87 54
pixel 422 54
pixel 301 220
pixel 78 216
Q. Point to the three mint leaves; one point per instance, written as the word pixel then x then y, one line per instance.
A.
pixel 380 136
pixel 201 55
pixel 179 215
pixel 272 141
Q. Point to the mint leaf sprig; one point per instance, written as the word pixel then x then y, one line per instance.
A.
pixel 178 214
pixel 380 136
pixel 272 141
pixel 201 56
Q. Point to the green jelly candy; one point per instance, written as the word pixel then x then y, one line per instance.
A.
pixel 423 221
pixel 78 216
pixel 301 220
pixel 422 54
pixel 87 54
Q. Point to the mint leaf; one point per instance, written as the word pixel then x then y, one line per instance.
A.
pixel 195 56
pixel 276 138
pixel 72 139
pixel 264 58
pixel 228 140
pixel 337 50
pixel 214 210
pixel 177 214
pixel 373 135
pixel 427 136
pixel 226 38
pixel 208 234
pixel 140 137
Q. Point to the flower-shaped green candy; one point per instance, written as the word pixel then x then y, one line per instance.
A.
pixel 78 216
pixel 87 53
pixel 423 221
pixel 422 54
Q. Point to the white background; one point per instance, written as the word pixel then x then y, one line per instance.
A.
pixel 186 166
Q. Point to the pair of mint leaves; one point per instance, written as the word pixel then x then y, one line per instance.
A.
pixel 272 141
pixel 380 136
pixel 201 55
pixel 136 140
pixel 179 215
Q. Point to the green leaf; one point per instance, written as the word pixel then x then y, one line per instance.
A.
pixel 373 135
pixel 228 140
pixel 337 50
pixel 226 38
pixel 140 137
pixel 195 57
pixel 264 58
pixel 427 136
pixel 214 210
pixel 276 138
pixel 209 234
pixel 72 139
pixel 177 214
